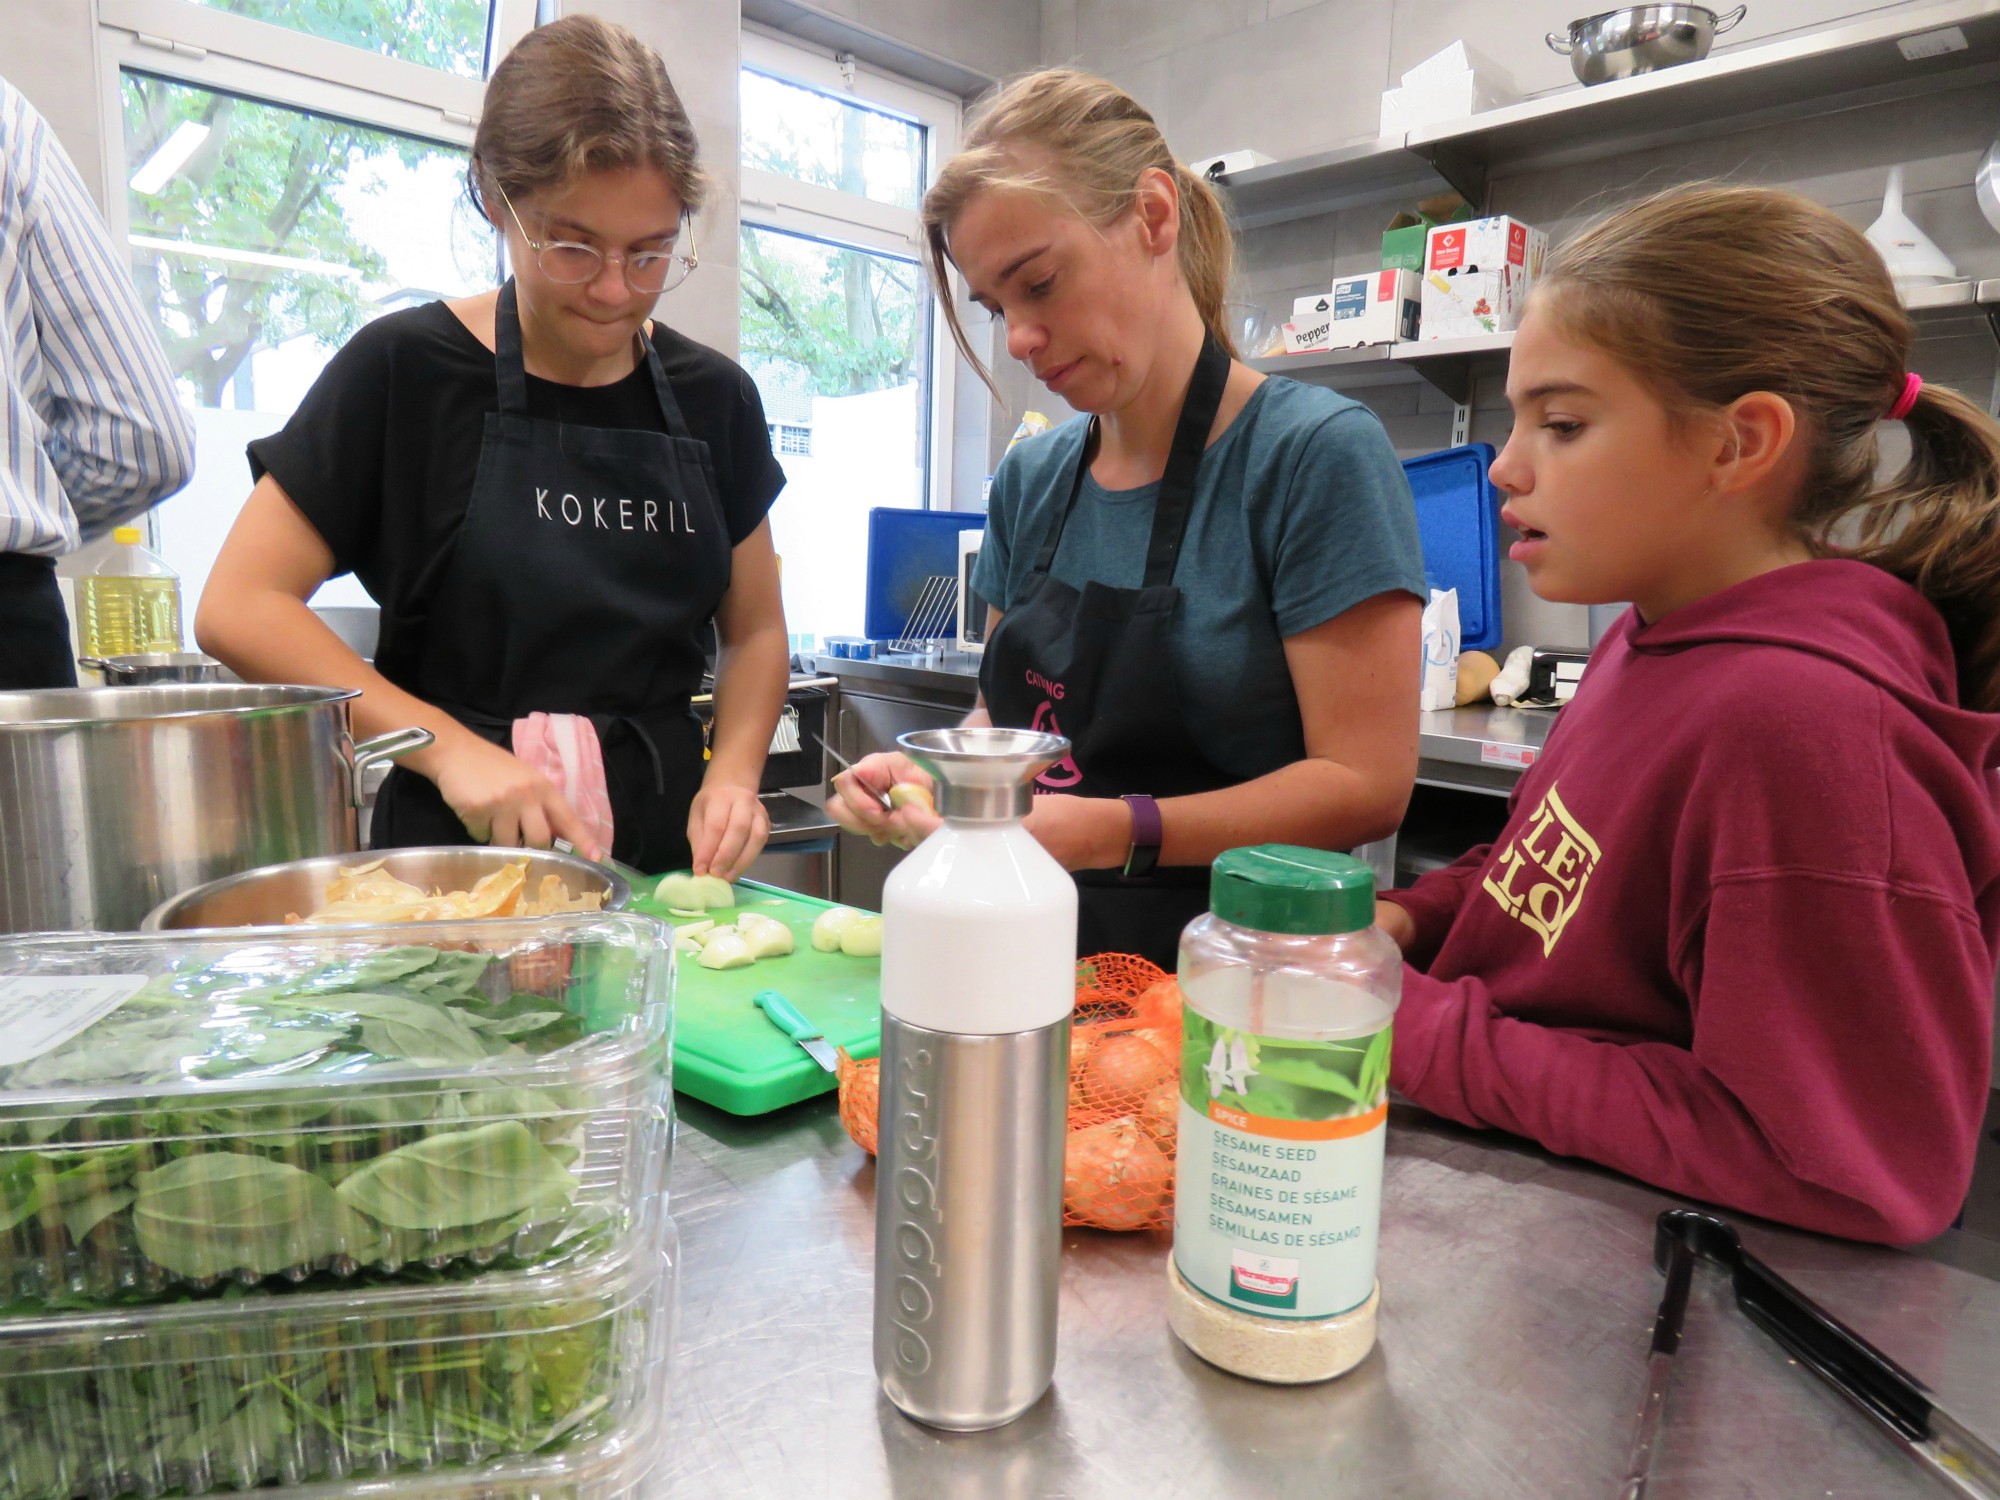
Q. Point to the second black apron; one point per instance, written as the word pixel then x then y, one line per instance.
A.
pixel 1097 665
pixel 586 566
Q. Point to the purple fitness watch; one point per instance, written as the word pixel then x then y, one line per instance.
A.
pixel 1147 832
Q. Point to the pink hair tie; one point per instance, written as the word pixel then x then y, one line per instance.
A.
pixel 1912 383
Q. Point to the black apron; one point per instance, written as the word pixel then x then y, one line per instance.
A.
pixel 586 567
pixel 1096 666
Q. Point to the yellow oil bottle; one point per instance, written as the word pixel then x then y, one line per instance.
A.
pixel 132 603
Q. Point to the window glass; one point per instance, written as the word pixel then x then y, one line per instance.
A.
pixel 816 138
pixel 446 34
pixel 262 237
pixel 838 342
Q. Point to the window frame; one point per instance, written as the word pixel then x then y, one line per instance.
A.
pixel 769 201
pixel 271 64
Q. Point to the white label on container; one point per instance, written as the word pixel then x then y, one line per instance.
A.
pixel 39 1012
pixel 1494 753
pixel 1278 1171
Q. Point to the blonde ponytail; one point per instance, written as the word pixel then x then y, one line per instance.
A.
pixel 1776 293
pixel 1097 141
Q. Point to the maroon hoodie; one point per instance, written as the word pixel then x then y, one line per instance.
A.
pixel 1739 936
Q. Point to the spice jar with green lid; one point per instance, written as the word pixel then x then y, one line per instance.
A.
pixel 1289 993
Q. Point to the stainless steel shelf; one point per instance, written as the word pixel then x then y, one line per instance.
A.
pixel 1377 172
pixel 1824 72
pixel 1450 364
pixel 1447 364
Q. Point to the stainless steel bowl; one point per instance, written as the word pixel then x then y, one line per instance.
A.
pixel 150 667
pixel 1640 39
pixel 265 897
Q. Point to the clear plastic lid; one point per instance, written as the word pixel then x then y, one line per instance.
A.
pixel 188 1110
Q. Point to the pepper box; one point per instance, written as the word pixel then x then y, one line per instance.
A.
pixel 1311 324
pixel 1477 276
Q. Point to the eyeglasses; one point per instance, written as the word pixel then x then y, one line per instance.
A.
pixel 572 264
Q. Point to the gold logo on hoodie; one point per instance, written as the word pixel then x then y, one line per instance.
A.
pixel 1538 879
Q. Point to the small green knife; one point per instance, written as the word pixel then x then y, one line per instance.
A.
pixel 785 1016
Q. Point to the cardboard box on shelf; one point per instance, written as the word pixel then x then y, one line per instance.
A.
pixel 1312 320
pixel 1448 85
pixel 1403 239
pixel 1381 307
pixel 1477 276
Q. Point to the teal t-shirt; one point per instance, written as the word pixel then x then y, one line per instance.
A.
pixel 1301 511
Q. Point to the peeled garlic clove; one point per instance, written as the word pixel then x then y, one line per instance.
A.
pixel 767 936
pixel 862 937
pixel 829 925
pixel 726 949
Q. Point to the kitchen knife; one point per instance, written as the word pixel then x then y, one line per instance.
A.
pixel 1667 1323
pixel 848 765
pixel 918 791
pixel 785 1016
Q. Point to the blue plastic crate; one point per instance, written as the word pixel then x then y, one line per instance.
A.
pixel 905 547
pixel 1458 522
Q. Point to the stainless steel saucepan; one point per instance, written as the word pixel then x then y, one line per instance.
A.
pixel 1640 39
pixel 114 799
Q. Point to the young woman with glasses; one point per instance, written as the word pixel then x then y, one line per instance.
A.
pixel 549 494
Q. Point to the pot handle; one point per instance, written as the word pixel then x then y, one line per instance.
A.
pixel 1725 22
pixel 383 747
pixel 1560 44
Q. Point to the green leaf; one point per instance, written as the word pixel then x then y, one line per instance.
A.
pixel 402 1245
pixel 221 1211
pixel 452 974
pixel 85 1214
pixel 284 1043
pixel 460 1177
pixel 413 1031
pixel 517 1025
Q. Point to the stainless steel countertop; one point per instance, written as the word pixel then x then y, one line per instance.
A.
pixel 1502 740
pixel 1517 1298
pixel 1506 739
pixel 954 672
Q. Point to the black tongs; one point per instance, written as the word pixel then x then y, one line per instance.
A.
pixel 1883 1390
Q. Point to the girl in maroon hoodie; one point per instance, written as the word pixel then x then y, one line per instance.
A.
pixel 1738 938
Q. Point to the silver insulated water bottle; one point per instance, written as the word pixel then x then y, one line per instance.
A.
pixel 978 978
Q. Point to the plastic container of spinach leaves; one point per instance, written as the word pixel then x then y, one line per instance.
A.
pixel 301 1104
pixel 492 1384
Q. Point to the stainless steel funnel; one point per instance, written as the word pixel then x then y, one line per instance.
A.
pixel 984 775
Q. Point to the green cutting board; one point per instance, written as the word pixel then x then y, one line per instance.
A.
pixel 726 1051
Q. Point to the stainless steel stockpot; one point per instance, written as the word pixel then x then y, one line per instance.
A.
pixel 114 799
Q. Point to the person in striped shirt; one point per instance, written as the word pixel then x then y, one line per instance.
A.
pixel 91 431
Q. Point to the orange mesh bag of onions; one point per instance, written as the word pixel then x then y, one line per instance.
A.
pixel 1124 1095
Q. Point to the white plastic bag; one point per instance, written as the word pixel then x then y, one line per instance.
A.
pixel 1440 680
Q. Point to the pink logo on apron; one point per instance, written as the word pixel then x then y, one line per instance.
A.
pixel 1064 773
